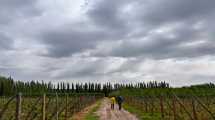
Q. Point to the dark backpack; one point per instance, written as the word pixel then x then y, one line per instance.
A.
pixel 120 99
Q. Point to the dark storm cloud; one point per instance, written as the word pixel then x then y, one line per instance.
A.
pixel 65 42
pixel 165 11
pixel 114 24
pixel 104 16
pixel 185 42
pixel 162 50
pixel 107 14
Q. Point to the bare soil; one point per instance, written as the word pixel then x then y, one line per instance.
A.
pixel 105 112
pixel 82 114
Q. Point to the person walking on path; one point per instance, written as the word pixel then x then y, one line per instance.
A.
pixel 113 101
pixel 120 100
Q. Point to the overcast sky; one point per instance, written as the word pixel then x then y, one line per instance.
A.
pixel 108 40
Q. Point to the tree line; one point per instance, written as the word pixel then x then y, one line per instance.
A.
pixel 8 86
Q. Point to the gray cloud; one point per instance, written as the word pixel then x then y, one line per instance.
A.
pixel 107 14
pixel 175 43
pixel 107 26
pixel 6 43
pixel 65 43
pixel 111 25
pixel 165 11
pixel 108 40
pixel 11 10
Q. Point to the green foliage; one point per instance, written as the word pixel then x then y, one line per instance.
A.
pixel 142 115
pixel 181 92
pixel 10 87
pixel 91 115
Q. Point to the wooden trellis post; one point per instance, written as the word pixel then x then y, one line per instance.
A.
pixel 44 107
pixel 142 104
pixel 194 109
pixel 151 106
pixel 174 107
pixel 18 106
pixel 56 106
pixel 66 112
pixel 161 106
pixel 146 105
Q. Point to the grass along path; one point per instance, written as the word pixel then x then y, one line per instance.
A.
pixel 91 115
pixel 87 113
pixel 140 114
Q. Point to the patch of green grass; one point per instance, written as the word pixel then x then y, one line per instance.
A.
pixel 91 115
pixel 142 115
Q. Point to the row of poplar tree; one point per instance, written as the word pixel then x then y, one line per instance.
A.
pixel 10 87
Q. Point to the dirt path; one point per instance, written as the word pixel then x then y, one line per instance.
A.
pixel 82 114
pixel 105 113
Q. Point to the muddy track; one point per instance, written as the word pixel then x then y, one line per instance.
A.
pixel 105 113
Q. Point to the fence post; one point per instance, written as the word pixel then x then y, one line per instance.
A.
pixel 56 106
pixel 174 107
pixel 194 110
pixel 146 105
pixel 152 106
pixel 161 106
pixel 66 107
pixel 4 100
pixel 18 106
pixel 44 107
pixel 142 105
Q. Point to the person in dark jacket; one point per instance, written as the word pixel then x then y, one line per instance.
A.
pixel 120 100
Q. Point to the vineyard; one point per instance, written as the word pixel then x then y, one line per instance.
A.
pixel 148 101
pixel 44 107
pixel 172 103
pixel 175 108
